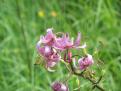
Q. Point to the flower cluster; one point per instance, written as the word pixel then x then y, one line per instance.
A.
pixel 51 47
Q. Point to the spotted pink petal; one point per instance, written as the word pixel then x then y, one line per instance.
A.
pixel 85 62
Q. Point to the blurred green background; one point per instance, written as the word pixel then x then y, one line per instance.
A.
pixel 23 21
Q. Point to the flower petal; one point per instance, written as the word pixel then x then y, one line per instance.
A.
pixel 77 42
pixel 82 47
pixel 50 70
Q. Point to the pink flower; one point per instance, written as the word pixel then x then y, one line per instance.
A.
pixel 65 42
pixel 48 44
pixel 45 50
pixel 57 86
pixel 52 59
pixel 50 55
pixel 85 62
pixel 49 38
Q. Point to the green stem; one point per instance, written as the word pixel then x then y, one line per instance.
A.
pixel 87 78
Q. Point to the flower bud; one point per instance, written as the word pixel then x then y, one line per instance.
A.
pixel 85 62
pixel 57 86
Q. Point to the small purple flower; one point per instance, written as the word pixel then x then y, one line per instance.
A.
pixel 85 62
pixel 65 42
pixel 52 59
pixel 50 55
pixel 57 86
pixel 49 38
pixel 45 50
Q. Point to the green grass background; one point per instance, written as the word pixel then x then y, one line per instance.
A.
pixel 99 21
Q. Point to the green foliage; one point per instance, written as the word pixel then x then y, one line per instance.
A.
pixel 22 22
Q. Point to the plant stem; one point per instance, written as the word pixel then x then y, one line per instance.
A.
pixel 87 78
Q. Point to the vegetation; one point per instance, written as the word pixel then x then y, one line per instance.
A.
pixel 23 21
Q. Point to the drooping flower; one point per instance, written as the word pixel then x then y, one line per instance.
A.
pixel 49 38
pixel 85 62
pixel 44 47
pixel 49 54
pixel 53 59
pixel 65 42
pixel 58 86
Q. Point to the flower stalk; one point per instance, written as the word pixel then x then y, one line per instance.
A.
pixel 87 78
